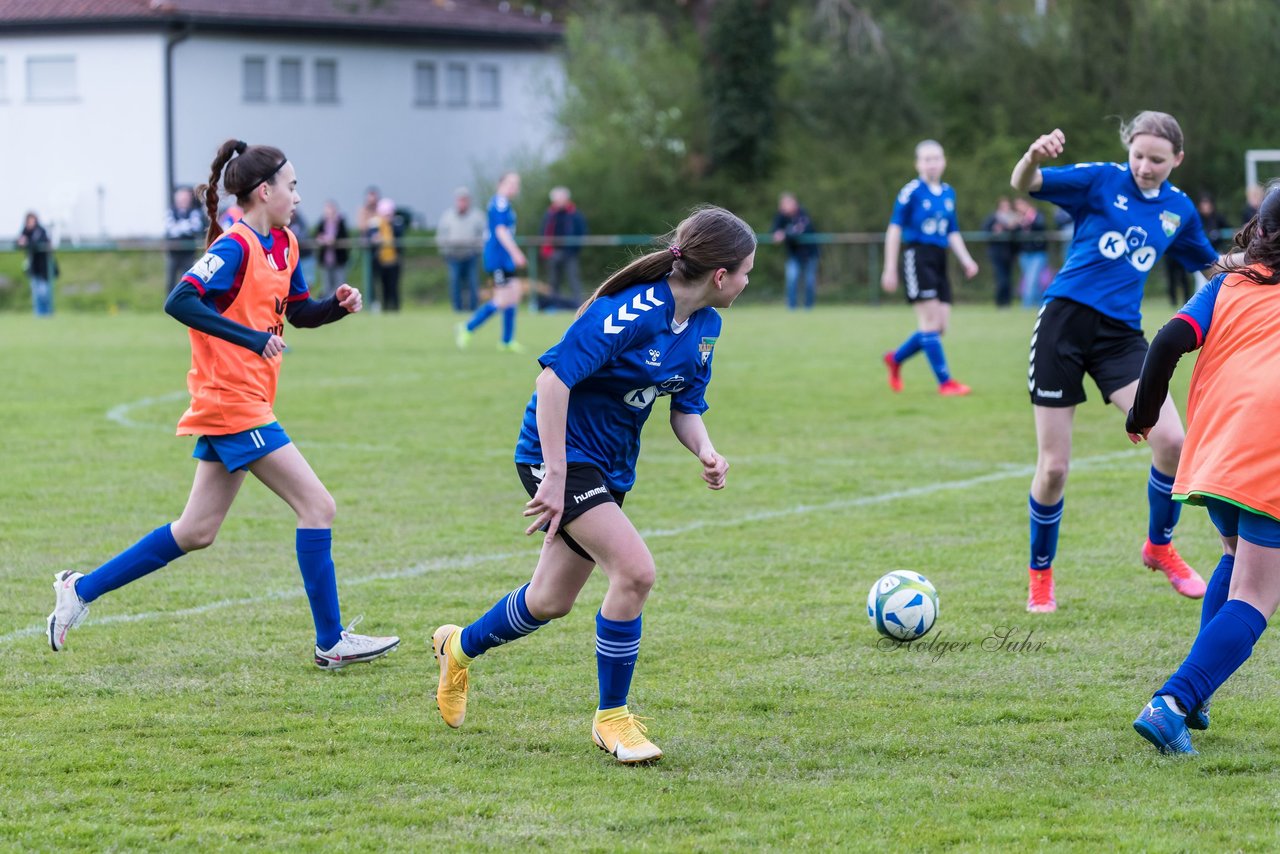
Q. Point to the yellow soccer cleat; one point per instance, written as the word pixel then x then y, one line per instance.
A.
pixel 451 691
pixel 624 738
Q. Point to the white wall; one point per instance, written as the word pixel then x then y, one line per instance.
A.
pixel 93 165
pixel 374 134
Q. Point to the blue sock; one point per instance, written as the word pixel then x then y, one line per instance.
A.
pixel 508 324
pixel 1220 648
pixel 509 619
pixel 1215 594
pixel 1045 519
pixel 482 314
pixel 315 560
pixel 617 647
pixel 1164 510
pixel 908 349
pixel 931 343
pixel 146 555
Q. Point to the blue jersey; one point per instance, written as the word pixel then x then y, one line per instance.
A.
pixel 496 256
pixel 1119 236
pixel 620 356
pixel 1199 309
pixel 925 216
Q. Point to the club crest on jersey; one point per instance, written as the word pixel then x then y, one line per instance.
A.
pixel 705 347
pixel 1169 221
pixel 206 267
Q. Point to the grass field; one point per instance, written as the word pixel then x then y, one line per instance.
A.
pixel 186 713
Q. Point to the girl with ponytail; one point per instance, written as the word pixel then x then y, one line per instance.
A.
pixel 235 301
pixel 648 332
pixel 1230 465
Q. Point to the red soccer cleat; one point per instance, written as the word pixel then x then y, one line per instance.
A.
pixel 1166 559
pixel 951 388
pixel 895 371
pixel 1040 592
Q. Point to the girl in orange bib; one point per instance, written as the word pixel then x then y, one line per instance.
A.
pixel 235 300
pixel 1230 464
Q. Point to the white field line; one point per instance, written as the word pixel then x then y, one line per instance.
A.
pixel 440 564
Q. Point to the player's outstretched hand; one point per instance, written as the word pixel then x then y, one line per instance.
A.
pixel 275 346
pixel 970 269
pixel 349 298
pixel 547 505
pixel 1047 147
pixel 714 469
pixel 1136 433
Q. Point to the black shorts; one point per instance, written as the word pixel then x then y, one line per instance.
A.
pixel 584 488
pixel 502 277
pixel 924 273
pixel 1071 340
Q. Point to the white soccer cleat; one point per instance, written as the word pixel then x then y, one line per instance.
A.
pixel 68 609
pixel 353 648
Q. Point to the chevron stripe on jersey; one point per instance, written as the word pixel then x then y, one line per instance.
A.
pixel 641 303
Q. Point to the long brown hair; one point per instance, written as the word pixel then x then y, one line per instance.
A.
pixel 1259 240
pixel 707 239
pixel 253 165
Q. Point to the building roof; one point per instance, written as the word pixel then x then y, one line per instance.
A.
pixel 478 19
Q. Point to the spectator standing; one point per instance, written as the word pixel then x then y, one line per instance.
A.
pixel 333 248
pixel 386 228
pixel 1033 251
pixel 1002 224
pixel 460 237
pixel 306 252
pixel 790 224
pixel 41 267
pixel 563 220
pixel 184 225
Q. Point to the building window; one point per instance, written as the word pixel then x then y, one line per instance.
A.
pixel 455 85
pixel 291 80
pixel 487 92
pixel 51 78
pixel 326 81
pixel 255 78
pixel 424 84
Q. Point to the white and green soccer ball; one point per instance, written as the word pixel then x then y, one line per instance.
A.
pixel 902 605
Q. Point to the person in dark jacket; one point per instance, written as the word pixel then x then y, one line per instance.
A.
pixel 562 220
pixel 40 265
pixel 790 225
pixel 331 242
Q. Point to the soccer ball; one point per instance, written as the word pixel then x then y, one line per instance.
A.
pixel 902 605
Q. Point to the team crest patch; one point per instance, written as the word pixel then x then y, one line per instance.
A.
pixel 206 267
pixel 705 348
pixel 1169 222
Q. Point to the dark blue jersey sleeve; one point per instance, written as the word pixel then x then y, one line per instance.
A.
pixel 1199 309
pixel 186 306
pixel 219 269
pixel 902 205
pixel 591 341
pixel 1068 186
pixel 1192 248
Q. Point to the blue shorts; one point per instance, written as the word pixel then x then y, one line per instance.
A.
pixel 1232 520
pixel 237 450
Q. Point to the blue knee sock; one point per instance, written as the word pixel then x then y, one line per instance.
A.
pixel 1220 648
pixel 315 560
pixel 482 314
pixel 617 647
pixel 1215 594
pixel 908 349
pixel 508 324
pixel 509 619
pixel 147 555
pixel 1045 519
pixel 1164 511
pixel 931 343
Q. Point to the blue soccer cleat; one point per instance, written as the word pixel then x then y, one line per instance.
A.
pixel 1199 717
pixel 1164 728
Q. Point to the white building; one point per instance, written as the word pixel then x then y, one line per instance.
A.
pixel 107 104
